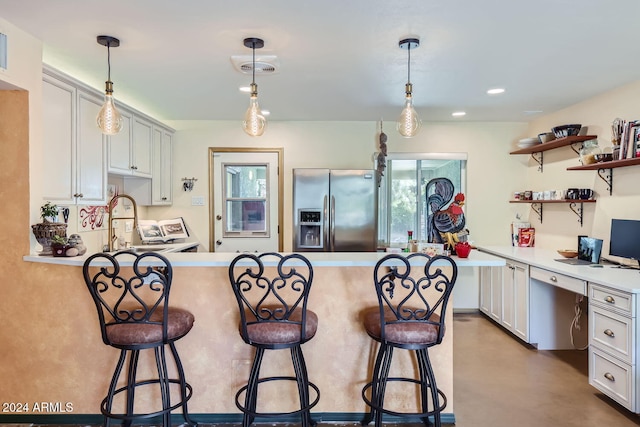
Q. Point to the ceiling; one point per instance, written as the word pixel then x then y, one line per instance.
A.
pixel 340 60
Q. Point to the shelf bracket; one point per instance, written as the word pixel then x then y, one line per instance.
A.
pixel 577 150
pixel 538 157
pixel 607 178
pixel 577 210
pixel 537 208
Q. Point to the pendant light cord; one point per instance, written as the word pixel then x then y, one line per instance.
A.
pixel 108 61
pixel 409 63
pixel 253 67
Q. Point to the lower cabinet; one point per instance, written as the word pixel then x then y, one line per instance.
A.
pixel 613 345
pixel 504 296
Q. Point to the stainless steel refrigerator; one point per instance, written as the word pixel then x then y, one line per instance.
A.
pixel 335 210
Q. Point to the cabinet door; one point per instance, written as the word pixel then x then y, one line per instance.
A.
pixel 141 147
pixel 496 294
pixel 91 171
pixel 162 162
pixel 485 290
pixel 521 301
pixel 508 294
pixel 58 150
pixel 120 161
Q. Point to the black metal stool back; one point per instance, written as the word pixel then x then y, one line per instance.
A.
pixel 273 315
pixel 413 293
pixel 134 314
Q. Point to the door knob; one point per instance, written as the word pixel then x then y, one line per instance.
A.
pixel 218 242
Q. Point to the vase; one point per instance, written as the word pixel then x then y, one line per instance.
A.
pixel 45 231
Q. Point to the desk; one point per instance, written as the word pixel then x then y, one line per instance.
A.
pixel 552 291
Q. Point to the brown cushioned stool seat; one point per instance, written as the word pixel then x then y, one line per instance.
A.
pixel 131 294
pixel 413 293
pixel 272 290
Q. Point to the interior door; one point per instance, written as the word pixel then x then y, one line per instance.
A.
pixel 246 213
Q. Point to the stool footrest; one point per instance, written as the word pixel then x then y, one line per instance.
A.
pixel 133 416
pixel 404 414
pixel 307 408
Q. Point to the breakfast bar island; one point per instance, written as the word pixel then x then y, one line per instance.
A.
pixel 70 364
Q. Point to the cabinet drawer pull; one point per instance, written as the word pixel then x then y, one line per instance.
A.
pixel 610 299
pixel 553 278
pixel 609 376
pixel 609 333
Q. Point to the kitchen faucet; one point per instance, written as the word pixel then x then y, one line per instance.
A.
pixel 111 206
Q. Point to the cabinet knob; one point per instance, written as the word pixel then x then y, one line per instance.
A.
pixel 218 242
pixel 80 195
pixel 553 278
pixel 609 376
pixel 609 333
pixel 218 217
pixel 164 198
pixel 610 299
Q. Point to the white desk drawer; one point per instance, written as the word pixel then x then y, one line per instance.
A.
pixel 612 333
pixel 612 377
pixel 560 280
pixel 611 299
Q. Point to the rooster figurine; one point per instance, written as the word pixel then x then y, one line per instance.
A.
pixel 444 223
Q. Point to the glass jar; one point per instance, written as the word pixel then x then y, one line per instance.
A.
pixel 588 152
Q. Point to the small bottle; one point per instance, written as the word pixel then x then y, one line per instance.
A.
pixel 409 238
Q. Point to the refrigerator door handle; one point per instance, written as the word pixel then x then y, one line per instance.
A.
pixel 325 225
pixel 333 221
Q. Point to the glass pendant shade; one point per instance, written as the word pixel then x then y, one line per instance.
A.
pixel 254 122
pixel 408 123
pixel 109 119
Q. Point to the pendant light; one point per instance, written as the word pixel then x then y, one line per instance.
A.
pixel 409 123
pixel 254 122
pixel 109 119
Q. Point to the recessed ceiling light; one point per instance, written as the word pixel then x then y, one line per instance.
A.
pixel 458 114
pixel 495 91
pixel 533 111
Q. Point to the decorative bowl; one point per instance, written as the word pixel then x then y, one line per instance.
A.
pixel 603 157
pixel 528 142
pixel 568 253
pixel 566 130
pixel 546 137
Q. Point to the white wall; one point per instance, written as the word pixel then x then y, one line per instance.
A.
pixel 352 145
pixel 560 227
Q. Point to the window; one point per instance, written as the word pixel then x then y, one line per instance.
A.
pixel 245 201
pixel 402 203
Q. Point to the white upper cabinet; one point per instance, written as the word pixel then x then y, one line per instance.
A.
pixel 73 168
pixel 161 193
pixel 130 149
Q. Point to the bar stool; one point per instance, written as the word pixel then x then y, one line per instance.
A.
pixel 413 293
pixel 274 315
pixel 134 315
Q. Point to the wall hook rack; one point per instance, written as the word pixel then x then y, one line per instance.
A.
pixel 187 184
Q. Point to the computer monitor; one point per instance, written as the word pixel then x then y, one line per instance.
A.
pixel 625 239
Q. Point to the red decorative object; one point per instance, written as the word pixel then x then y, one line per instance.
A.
pixel 463 249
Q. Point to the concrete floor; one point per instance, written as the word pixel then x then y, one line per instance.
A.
pixel 499 382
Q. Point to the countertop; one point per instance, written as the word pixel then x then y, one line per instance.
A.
pixel 627 280
pixel 318 259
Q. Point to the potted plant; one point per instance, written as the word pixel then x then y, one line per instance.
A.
pixel 48 228
pixel 59 245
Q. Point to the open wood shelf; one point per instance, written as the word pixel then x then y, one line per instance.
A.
pixel 556 143
pixel 536 205
pixel 607 165
pixel 602 168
